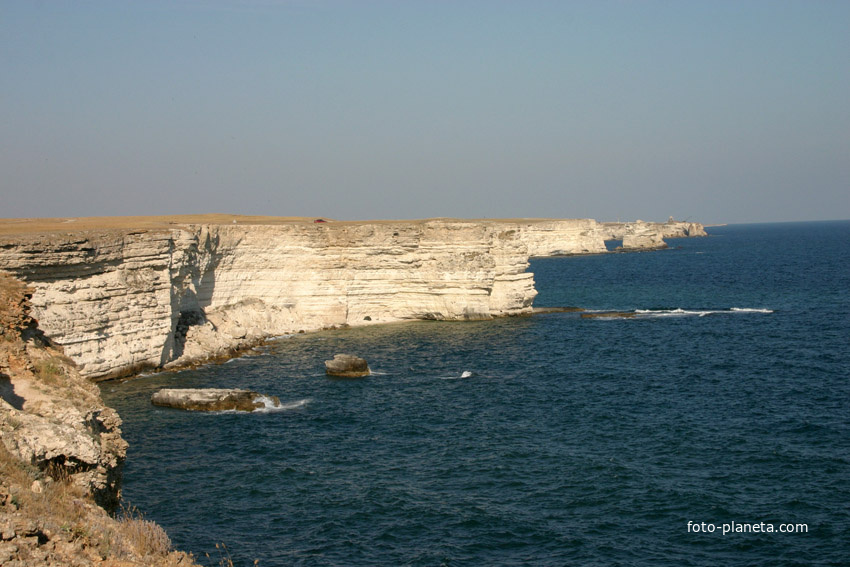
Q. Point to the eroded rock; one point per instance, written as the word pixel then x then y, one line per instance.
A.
pixel 347 366
pixel 609 315
pixel 213 399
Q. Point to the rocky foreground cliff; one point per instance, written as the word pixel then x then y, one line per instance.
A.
pixel 61 456
pixel 120 300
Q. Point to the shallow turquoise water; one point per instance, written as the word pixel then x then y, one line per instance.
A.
pixel 573 442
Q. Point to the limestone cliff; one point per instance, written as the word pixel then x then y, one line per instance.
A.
pixel 642 235
pixel 562 237
pixel 121 300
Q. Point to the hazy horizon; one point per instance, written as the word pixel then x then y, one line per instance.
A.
pixel 721 112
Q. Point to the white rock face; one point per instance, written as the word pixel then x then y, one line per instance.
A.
pixel 121 301
pixel 646 240
pixel 653 231
pixel 562 237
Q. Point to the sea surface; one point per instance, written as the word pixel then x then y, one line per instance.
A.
pixel 546 440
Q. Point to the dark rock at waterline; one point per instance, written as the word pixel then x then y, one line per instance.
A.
pixel 609 315
pixel 213 399
pixel 347 366
pixel 541 310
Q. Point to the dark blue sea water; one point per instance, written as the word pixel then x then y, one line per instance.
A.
pixel 573 441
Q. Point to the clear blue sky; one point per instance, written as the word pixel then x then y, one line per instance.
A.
pixel 720 111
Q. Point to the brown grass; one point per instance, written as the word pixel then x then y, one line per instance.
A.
pixel 147 538
pixel 65 510
pixel 50 371
pixel 79 224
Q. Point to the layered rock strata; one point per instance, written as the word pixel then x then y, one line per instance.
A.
pixel 119 301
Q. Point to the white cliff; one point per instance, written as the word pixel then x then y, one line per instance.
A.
pixel 642 235
pixel 561 237
pixel 119 301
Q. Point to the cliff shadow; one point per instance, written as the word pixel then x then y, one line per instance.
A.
pixel 7 392
pixel 188 308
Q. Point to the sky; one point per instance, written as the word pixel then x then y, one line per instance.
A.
pixel 715 111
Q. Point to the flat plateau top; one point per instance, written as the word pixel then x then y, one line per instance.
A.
pixel 81 224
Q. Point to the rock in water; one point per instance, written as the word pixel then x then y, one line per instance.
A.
pixel 609 315
pixel 212 399
pixel 347 366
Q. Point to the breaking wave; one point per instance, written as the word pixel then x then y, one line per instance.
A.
pixel 464 374
pixel 679 312
pixel 269 405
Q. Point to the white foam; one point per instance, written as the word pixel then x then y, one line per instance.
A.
pixel 679 312
pixel 464 374
pixel 269 405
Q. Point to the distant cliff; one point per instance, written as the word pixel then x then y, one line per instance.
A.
pixel 121 300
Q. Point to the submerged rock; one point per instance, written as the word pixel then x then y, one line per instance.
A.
pixel 609 315
pixel 213 399
pixel 347 366
pixel 541 310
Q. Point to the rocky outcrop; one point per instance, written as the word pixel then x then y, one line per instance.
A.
pixel 642 235
pixel 213 399
pixel 50 416
pixel 119 301
pixel 647 240
pixel 347 366
pixel 61 454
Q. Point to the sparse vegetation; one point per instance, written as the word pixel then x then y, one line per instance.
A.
pixel 147 538
pixel 50 371
pixel 46 516
pixel 59 511
pixel 224 558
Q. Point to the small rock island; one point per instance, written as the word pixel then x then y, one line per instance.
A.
pixel 347 366
pixel 213 399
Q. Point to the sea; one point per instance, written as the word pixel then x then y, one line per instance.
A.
pixel 709 424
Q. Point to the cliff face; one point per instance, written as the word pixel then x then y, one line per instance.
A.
pixel 118 301
pixel 562 237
